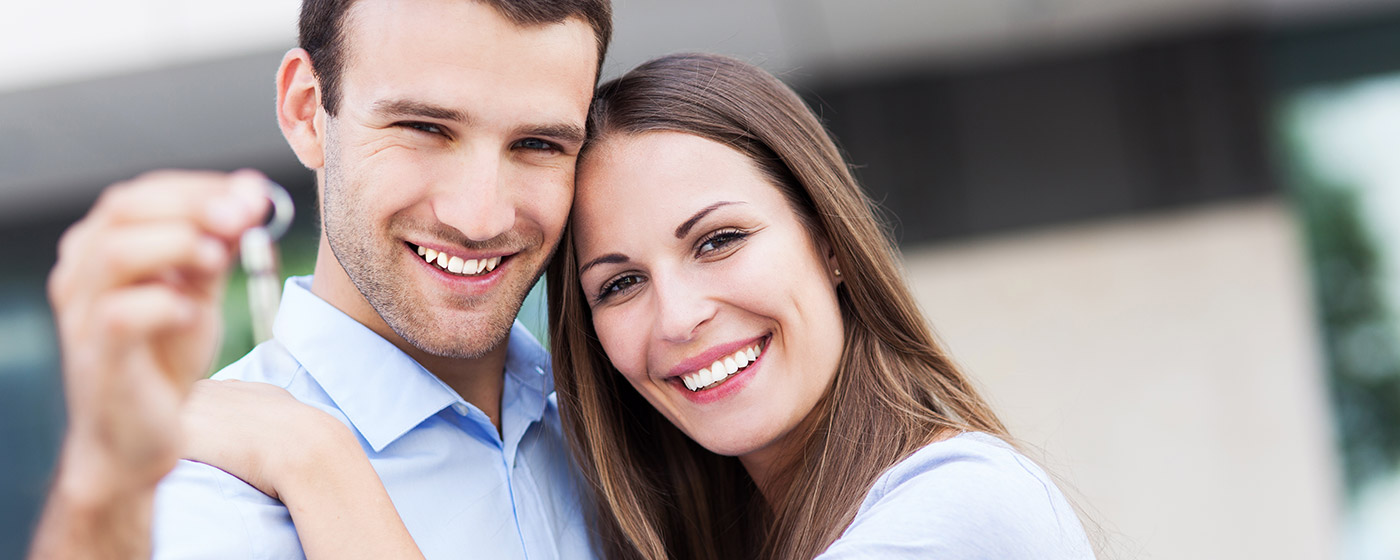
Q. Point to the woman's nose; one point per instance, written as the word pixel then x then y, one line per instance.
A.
pixel 682 307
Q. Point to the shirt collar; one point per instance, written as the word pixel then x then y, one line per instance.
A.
pixel 382 391
pixel 528 364
pixel 527 361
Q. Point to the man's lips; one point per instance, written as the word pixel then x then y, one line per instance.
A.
pixel 460 263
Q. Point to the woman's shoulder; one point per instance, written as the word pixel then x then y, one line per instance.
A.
pixel 974 458
pixel 968 496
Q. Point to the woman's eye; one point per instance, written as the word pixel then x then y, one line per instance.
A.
pixel 536 144
pixel 719 240
pixel 617 285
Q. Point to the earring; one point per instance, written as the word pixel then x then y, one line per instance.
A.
pixel 838 272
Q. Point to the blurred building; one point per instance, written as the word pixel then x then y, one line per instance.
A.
pixel 1090 196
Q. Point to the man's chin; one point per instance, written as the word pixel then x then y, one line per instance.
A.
pixel 459 340
pixel 454 327
pixel 450 351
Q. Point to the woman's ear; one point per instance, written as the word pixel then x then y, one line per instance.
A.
pixel 299 111
pixel 833 267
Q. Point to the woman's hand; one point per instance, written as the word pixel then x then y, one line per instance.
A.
pixel 303 456
pixel 261 434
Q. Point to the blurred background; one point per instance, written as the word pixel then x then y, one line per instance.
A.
pixel 1162 234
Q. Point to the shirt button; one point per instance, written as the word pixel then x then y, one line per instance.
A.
pixel 460 408
pixel 539 370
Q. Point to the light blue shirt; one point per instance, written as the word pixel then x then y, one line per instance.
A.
pixel 969 497
pixel 462 490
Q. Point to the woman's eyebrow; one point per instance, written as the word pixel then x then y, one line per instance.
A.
pixel 685 226
pixel 610 258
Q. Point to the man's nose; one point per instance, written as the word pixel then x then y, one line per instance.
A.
pixel 476 201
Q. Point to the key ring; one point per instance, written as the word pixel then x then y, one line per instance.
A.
pixel 282 211
pixel 258 250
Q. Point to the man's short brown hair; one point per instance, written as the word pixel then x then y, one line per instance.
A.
pixel 321 31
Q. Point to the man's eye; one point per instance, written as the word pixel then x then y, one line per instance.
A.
pixel 423 127
pixel 536 144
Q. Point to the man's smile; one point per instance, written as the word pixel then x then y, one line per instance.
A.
pixel 459 265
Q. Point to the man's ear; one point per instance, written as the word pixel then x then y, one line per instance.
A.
pixel 299 112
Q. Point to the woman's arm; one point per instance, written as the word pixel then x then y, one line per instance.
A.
pixel 303 457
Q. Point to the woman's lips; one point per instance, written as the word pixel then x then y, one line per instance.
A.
pixel 723 367
pixel 730 383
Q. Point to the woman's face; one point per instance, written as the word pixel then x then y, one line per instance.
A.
pixel 707 292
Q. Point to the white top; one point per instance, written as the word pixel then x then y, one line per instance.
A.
pixel 969 496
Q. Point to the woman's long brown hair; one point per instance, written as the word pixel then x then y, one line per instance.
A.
pixel 658 493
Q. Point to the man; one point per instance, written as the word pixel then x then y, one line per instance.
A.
pixel 437 128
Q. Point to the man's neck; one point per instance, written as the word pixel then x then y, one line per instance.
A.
pixel 480 384
pixel 479 381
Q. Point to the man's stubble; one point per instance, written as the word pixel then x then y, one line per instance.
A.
pixel 370 259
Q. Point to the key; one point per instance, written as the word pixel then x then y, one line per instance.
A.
pixel 258 250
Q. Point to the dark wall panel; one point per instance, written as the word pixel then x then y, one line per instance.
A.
pixel 1157 124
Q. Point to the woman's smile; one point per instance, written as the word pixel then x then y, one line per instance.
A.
pixel 725 364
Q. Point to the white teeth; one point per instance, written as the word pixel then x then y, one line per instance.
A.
pixel 458 265
pixel 721 369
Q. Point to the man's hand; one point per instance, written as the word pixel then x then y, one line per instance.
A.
pixel 136 296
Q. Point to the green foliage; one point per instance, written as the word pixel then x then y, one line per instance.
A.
pixel 1358 322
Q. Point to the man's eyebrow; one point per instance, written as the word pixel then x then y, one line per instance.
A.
pixel 610 258
pixel 410 108
pixel 564 132
pixel 685 226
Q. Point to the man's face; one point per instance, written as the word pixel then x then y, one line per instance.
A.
pixel 450 164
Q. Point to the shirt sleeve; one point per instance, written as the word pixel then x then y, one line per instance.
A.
pixel 203 512
pixel 960 500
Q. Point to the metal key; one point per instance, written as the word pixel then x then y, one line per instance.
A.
pixel 259 254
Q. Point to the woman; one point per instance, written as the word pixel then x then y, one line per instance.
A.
pixel 782 255
pixel 740 365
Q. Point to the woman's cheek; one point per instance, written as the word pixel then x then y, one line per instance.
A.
pixel 749 268
pixel 622 346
